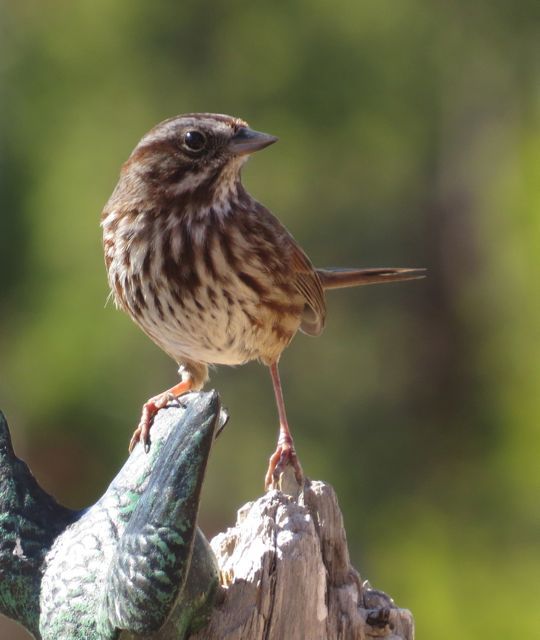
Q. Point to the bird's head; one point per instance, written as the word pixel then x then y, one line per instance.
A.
pixel 192 152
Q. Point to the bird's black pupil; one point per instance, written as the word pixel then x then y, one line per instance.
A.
pixel 194 140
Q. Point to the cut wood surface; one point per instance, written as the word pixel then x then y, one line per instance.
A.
pixel 286 575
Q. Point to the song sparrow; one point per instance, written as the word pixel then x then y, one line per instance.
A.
pixel 207 272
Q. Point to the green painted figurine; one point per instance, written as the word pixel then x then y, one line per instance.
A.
pixel 134 565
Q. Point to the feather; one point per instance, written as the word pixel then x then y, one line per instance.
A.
pixel 307 282
pixel 340 278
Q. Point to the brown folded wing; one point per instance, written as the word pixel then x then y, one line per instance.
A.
pixel 308 283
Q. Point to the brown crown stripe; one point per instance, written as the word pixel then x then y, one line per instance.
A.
pixel 217 117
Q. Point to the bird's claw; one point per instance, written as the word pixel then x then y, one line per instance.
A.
pixel 283 456
pixel 149 412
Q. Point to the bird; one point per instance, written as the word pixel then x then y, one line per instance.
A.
pixel 208 272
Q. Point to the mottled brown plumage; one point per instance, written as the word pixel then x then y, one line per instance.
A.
pixel 208 273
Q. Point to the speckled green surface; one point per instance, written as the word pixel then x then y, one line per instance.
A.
pixel 134 565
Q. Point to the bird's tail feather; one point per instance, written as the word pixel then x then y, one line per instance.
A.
pixel 339 278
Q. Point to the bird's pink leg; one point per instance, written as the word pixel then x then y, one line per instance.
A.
pixel 284 453
pixel 150 409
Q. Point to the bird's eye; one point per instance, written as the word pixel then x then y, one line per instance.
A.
pixel 194 140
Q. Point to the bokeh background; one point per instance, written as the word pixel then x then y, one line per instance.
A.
pixel 409 136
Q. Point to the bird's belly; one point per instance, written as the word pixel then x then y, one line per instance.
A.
pixel 221 330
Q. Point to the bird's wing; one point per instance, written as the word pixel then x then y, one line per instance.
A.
pixel 296 269
pixel 307 282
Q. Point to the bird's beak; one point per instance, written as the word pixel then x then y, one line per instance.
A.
pixel 247 140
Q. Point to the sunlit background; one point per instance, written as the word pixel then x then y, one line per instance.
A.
pixel 409 136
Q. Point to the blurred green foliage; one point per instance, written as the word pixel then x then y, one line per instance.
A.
pixel 409 136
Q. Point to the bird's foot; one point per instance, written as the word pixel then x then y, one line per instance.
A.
pixel 150 409
pixel 283 456
pixel 149 412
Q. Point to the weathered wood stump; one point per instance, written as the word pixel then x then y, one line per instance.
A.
pixel 286 574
